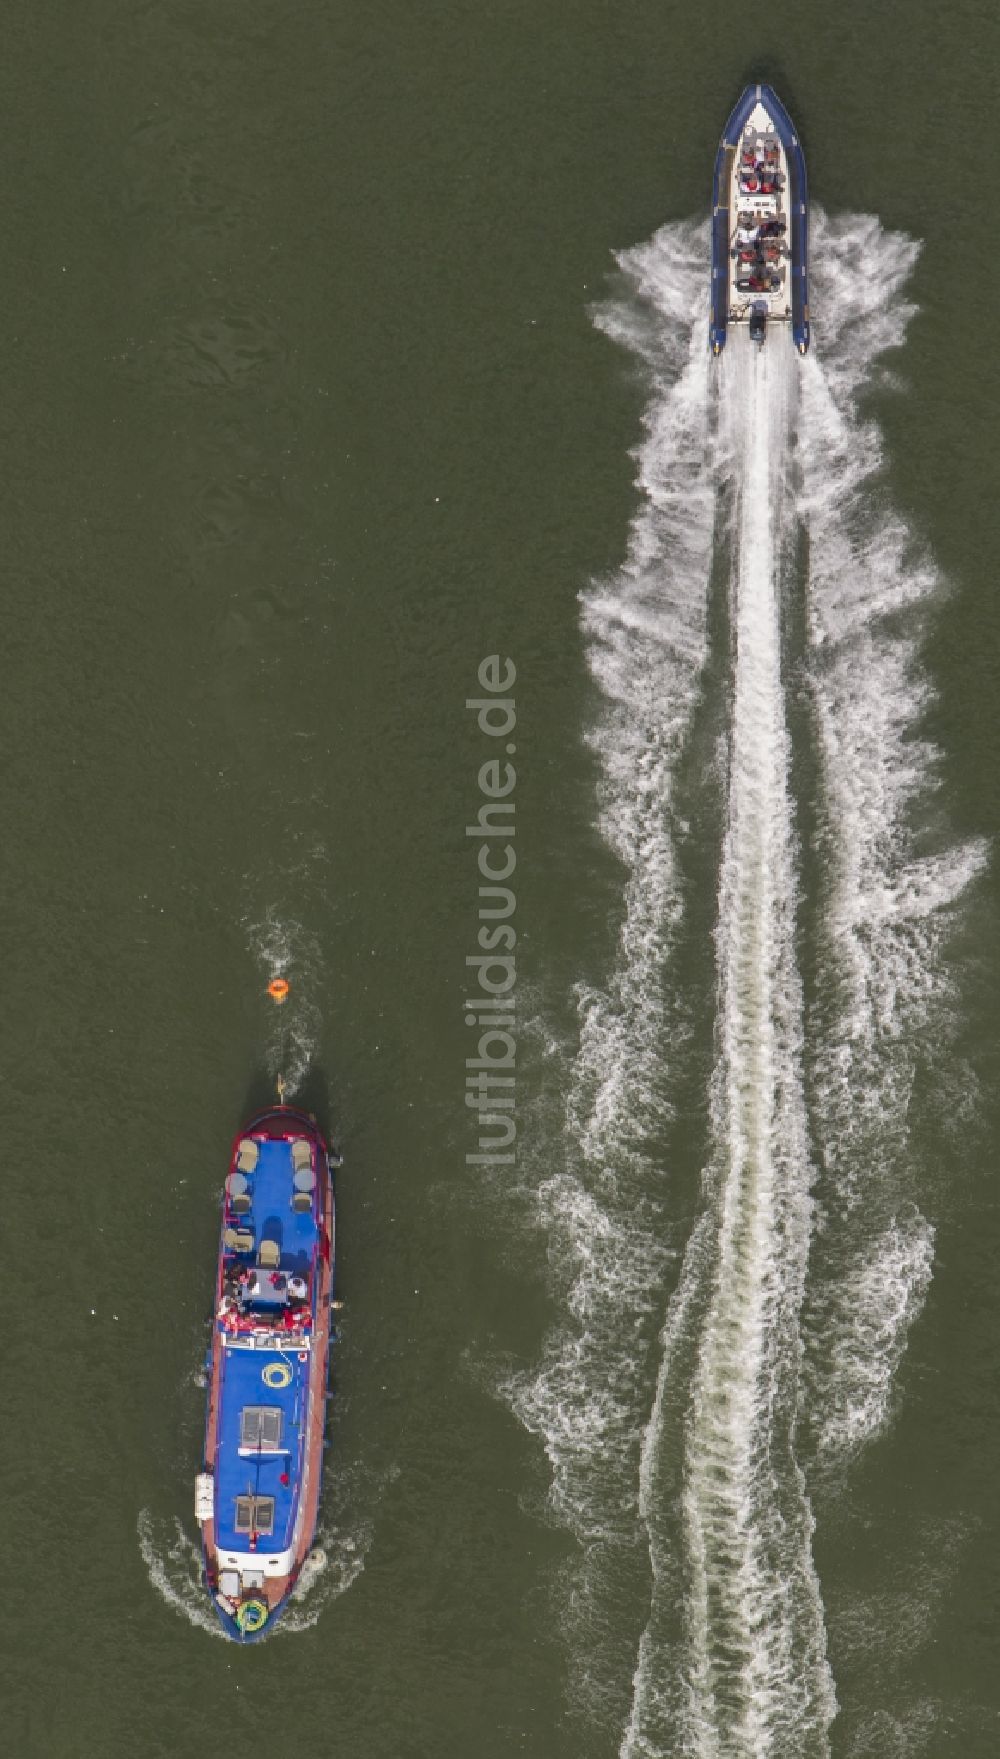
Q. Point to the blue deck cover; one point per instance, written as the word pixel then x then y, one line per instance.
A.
pixel 276 1474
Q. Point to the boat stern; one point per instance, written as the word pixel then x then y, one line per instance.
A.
pixel 248 1592
pixel 250 1616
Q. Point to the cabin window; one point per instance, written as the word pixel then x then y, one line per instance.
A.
pixel 260 1429
pixel 254 1514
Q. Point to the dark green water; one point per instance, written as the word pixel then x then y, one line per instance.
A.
pixel 304 412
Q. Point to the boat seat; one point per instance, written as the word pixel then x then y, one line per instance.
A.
pixel 243 1241
pixel 269 1255
pixel 246 1158
pixel 241 1204
pixel 302 1202
pixel 301 1153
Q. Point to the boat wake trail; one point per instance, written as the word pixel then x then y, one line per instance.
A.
pixel 600 1210
pixel 723 1494
pixel 889 897
pixel 285 949
pixel 695 1444
pixel 174 1564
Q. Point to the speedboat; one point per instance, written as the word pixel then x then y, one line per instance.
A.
pixel 257 1495
pixel 760 223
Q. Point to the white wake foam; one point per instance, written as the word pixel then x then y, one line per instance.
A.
pixel 647 643
pixel 597 1197
pixel 174 1565
pixel 889 900
pixel 333 1566
pixel 284 948
pixel 694 1441
pixel 749 1676
pixel 879 1298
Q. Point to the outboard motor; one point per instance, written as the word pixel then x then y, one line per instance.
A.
pixel 758 322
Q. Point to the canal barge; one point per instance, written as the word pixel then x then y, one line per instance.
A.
pixel 257 1495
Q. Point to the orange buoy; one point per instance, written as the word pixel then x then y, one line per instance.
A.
pixel 278 989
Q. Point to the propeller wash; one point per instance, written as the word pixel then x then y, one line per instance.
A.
pixel 683 1449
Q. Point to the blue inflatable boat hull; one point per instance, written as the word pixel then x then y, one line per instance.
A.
pixel 723 218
